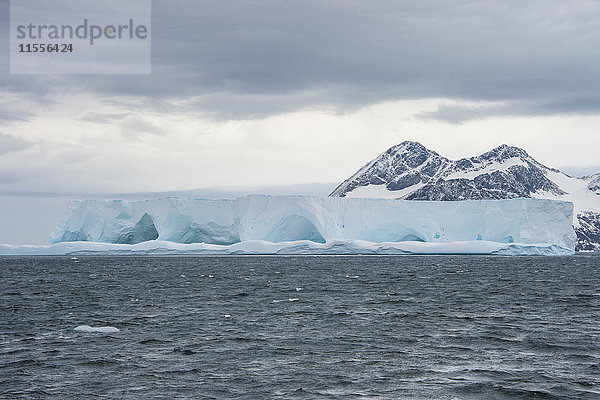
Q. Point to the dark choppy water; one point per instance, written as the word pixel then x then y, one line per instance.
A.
pixel 300 327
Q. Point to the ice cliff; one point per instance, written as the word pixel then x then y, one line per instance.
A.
pixel 228 224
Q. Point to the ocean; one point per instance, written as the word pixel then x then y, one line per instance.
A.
pixel 313 327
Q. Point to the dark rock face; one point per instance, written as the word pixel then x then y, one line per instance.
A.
pixel 588 233
pixel 516 181
pixel 505 172
pixel 594 185
pixel 399 167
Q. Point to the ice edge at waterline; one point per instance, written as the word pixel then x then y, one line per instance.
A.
pixel 300 247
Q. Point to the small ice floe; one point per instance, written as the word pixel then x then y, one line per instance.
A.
pixel 290 299
pixel 96 329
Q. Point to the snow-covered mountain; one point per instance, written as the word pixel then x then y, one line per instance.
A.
pixel 410 171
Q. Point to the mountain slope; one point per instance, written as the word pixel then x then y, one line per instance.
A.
pixel 410 171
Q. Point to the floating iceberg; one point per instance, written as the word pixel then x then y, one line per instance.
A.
pixel 97 329
pixel 311 225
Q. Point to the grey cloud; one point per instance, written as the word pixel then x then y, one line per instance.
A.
pixel 458 113
pixel 134 127
pixel 11 116
pixel 103 118
pixel 248 58
pixel 21 108
pixel 10 143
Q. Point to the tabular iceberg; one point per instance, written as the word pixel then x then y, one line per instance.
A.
pixel 296 224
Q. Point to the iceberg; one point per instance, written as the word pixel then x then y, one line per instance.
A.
pixel 97 329
pixel 258 224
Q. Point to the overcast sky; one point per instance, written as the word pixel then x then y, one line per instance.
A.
pixel 252 92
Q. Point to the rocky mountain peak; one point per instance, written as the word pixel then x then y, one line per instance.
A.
pixel 504 152
pixel 412 154
pixel 417 173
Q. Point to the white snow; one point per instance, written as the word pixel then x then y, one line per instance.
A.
pixel 98 329
pixel 487 169
pixel 577 191
pixel 382 192
pixel 567 183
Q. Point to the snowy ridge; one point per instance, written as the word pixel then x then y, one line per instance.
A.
pixel 412 172
pixel 488 168
pixel 321 224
